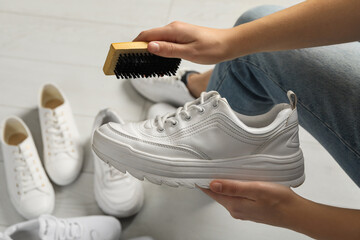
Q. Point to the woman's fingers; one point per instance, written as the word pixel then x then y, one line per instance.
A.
pixel 235 188
pixel 168 49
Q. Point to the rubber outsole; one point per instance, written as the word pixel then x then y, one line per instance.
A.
pixel 183 181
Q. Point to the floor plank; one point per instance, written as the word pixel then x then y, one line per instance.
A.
pixel 60 41
pixel 120 12
pixel 86 88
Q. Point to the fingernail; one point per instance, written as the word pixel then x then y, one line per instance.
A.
pixel 153 47
pixel 216 187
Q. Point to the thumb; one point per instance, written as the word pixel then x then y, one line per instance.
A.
pixel 166 49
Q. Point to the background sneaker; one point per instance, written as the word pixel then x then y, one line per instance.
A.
pixel 168 89
pixel 206 140
pixel 48 227
pixel 29 188
pixel 4 237
pixel 160 109
pixel 63 154
pixel 116 193
pixel 142 238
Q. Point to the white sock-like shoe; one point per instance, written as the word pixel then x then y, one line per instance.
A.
pixel 63 153
pixel 206 140
pixel 30 190
pixel 167 89
pixel 48 227
pixel 116 193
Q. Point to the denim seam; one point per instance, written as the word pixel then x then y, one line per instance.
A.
pixel 305 107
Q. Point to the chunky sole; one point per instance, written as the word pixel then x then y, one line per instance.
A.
pixel 174 172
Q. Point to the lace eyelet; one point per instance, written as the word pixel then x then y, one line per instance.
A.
pixel 175 123
pixel 187 118
pixel 215 105
pixel 202 110
pixel 160 130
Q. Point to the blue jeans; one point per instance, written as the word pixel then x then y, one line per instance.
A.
pixel 325 79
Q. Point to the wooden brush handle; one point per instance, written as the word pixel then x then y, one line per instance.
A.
pixel 120 48
pixel 130 46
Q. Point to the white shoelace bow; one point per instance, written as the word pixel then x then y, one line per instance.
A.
pixel 58 133
pixel 184 111
pixel 66 230
pixel 24 177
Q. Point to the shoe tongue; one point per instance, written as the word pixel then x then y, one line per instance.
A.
pixel 47 227
pixel 209 95
pixel 59 108
pixel 25 143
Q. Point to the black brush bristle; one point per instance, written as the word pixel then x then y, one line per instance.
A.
pixel 135 65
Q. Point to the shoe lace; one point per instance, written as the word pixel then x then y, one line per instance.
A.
pixel 160 121
pixel 25 180
pixel 57 133
pixel 66 230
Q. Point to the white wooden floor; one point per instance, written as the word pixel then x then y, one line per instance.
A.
pixel 66 42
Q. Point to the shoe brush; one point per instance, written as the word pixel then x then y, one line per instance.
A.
pixel 132 60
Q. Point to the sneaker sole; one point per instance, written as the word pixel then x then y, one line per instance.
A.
pixel 288 171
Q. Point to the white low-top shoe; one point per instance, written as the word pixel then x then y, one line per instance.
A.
pixel 206 140
pixel 29 189
pixel 168 89
pixel 116 193
pixel 48 227
pixel 63 154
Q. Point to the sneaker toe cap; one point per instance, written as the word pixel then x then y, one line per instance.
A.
pixel 64 170
pixel 35 206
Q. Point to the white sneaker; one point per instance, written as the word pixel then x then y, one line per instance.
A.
pixel 48 227
pixel 63 154
pixel 206 140
pixel 4 237
pixel 168 89
pixel 116 193
pixel 29 189
pixel 160 109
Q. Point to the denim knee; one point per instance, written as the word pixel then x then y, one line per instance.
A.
pixel 257 12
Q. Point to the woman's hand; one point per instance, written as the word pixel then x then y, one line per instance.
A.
pixel 255 201
pixel 278 205
pixel 194 43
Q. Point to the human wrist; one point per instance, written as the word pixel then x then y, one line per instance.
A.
pixel 242 40
pixel 290 210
